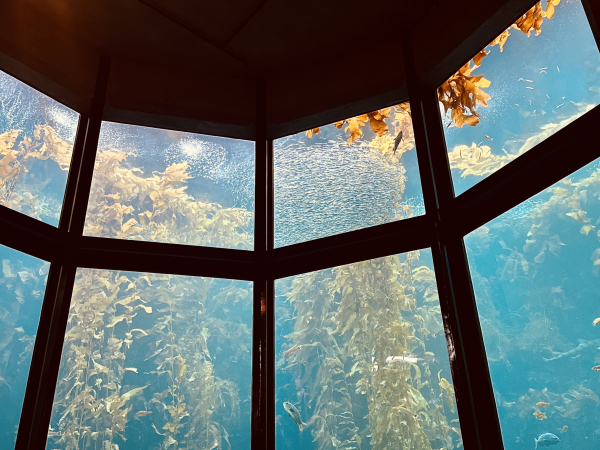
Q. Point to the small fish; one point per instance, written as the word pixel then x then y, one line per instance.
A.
pixel 291 351
pixel 539 415
pixel 404 359
pixel 528 87
pixel 294 414
pixel 546 440
pixel 596 321
pixel 544 68
pixel 559 105
pixel 565 428
pixel 547 96
pixel 557 68
pixel 542 404
pixel 19 330
pixel 397 141
pixel 488 138
pixel 596 368
pixel 529 81
pixel 405 410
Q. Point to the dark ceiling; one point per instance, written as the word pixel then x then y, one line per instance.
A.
pixel 193 64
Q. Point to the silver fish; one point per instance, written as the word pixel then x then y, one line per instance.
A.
pixel 294 414
pixel 546 440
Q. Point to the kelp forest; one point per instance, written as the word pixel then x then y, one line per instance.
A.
pixel 149 360
pixel 363 355
pixel 164 362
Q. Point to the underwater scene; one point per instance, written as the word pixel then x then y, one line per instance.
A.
pixel 36 143
pixel 158 185
pixel 536 278
pixel 535 78
pixel 352 174
pixel 361 358
pixel 22 286
pixel 155 362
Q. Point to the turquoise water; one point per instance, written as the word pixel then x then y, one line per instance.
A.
pixel 154 361
pixel 361 354
pixel 168 186
pixel 539 84
pixel 535 275
pixel 323 186
pixel 36 142
pixel 22 286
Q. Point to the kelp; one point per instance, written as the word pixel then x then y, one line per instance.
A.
pixel 348 322
pixel 386 124
pixel 95 402
pixel 571 404
pixel 104 381
pixel 462 93
pixel 125 204
pixel 17 153
pixel 22 288
pixel 479 160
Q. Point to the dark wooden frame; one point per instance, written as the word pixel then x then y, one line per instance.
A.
pixel 447 220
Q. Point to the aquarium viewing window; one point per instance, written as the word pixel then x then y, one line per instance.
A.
pixel 419 274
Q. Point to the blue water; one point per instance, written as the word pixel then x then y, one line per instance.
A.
pixel 165 362
pixel 323 186
pixel 186 341
pixel 220 177
pixel 517 117
pixel 310 320
pixel 34 186
pixel 22 285
pixel 536 301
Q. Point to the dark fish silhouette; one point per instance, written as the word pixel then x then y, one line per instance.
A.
pixel 546 440
pixel 397 141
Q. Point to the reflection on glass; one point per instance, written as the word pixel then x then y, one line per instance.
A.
pixel 535 275
pixel 167 186
pixel 345 176
pixel 22 286
pixel 154 361
pixel 362 358
pixel 36 142
pixel 538 76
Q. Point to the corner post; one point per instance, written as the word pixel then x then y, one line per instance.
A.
pixel 45 362
pixel 263 362
pixel 474 394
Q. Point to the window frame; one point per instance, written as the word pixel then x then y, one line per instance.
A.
pixel 447 220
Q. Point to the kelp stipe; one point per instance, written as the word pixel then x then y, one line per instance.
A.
pixel 363 332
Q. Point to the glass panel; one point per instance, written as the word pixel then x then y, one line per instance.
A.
pixel 534 84
pixel 345 176
pixel 535 276
pixel 22 285
pixel 36 143
pixel 167 186
pixel 154 361
pixel 362 359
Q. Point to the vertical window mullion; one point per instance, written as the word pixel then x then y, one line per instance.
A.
pixel 41 383
pixel 474 394
pixel 263 365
